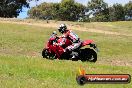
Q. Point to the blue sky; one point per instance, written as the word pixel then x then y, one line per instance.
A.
pixel 23 14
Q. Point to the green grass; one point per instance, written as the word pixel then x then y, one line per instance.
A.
pixel 21 64
pixel 120 27
pixel 32 72
pixel 22 39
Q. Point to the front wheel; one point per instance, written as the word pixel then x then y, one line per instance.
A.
pixel 45 53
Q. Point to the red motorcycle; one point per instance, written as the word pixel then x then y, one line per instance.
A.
pixel 86 52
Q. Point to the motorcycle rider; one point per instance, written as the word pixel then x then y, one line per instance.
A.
pixel 69 34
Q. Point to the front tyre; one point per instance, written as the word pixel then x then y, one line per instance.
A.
pixel 45 53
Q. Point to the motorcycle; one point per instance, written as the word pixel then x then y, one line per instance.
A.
pixel 86 52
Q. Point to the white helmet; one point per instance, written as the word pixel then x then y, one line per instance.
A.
pixel 62 28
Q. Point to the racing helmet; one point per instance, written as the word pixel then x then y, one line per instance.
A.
pixel 62 28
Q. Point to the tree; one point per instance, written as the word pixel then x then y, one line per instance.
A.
pixel 66 10
pixel 70 10
pixel 116 12
pixel 35 13
pixel 97 5
pixel 44 11
pixel 100 10
pixel 128 9
pixel 12 8
pixel 80 12
pixel 56 8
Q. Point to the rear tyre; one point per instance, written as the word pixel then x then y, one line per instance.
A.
pixel 89 55
pixel 92 55
pixel 74 59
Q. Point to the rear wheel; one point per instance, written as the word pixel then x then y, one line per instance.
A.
pixel 93 57
pixel 89 55
pixel 74 59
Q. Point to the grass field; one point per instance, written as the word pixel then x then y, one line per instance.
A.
pixel 21 64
